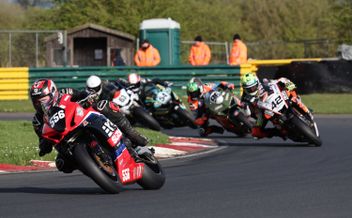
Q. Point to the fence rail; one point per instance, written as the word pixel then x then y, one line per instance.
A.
pixel 15 82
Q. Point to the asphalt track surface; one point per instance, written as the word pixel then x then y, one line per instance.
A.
pixel 246 178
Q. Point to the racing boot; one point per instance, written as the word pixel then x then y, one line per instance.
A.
pixel 271 132
pixel 205 131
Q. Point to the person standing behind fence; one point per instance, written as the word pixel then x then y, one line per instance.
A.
pixel 200 52
pixel 238 51
pixel 147 55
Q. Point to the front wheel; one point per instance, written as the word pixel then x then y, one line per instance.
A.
pixel 153 174
pixel 308 132
pixel 92 169
pixel 146 119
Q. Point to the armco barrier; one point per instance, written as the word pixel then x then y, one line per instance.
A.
pixel 14 83
pixel 325 76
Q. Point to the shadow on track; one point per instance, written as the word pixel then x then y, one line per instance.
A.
pixel 63 191
pixel 267 144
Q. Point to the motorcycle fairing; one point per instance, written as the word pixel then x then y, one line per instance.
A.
pixel 129 170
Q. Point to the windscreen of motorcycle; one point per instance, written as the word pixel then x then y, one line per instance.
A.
pixel 273 103
pixel 122 99
pixel 217 102
pixel 162 98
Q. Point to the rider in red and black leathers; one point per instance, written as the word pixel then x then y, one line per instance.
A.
pixel 101 101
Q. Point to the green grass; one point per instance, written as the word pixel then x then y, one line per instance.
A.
pixel 329 103
pixel 19 143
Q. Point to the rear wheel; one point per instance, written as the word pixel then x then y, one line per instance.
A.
pixel 106 177
pixel 309 133
pixel 146 119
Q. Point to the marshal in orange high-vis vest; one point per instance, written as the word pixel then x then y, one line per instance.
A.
pixel 200 53
pixel 238 51
pixel 147 55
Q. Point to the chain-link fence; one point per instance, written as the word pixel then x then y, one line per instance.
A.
pixel 24 48
pixel 320 48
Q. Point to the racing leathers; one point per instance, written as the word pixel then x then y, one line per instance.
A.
pixel 103 103
pixel 199 109
pixel 250 104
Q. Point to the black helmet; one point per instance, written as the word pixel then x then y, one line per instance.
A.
pixel 43 94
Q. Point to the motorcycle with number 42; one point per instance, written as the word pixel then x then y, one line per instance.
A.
pixel 286 115
pixel 96 147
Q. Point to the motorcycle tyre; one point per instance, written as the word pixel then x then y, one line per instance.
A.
pixel 153 176
pixel 148 120
pixel 306 131
pixel 186 115
pixel 88 166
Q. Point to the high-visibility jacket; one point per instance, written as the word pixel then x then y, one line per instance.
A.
pixel 200 55
pixel 147 58
pixel 238 53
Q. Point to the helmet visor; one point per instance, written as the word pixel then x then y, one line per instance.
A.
pixel 252 90
pixel 194 95
pixel 45 102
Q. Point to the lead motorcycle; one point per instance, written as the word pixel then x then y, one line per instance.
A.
pixel 286 115
pixel 130 104
pixel 225 108
pixel 96 146
pixel 166 107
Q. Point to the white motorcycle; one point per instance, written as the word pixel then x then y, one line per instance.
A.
pixel 131 106
pixel 286 115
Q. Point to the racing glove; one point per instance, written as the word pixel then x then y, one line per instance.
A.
pixel 45 147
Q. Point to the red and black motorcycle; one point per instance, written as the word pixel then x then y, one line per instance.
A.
pixel 96 146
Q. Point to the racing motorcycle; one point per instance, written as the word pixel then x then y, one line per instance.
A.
pixel 166 107
pixel 97 148
pixel 286 115
pixel 225 108
pixel 132 107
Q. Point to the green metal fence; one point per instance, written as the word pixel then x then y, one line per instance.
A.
pixel 179 75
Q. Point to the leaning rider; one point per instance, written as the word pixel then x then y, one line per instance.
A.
pixel 254 90
pixel 44 96
pixel 196 92
pixel 100 94
pixel 135 83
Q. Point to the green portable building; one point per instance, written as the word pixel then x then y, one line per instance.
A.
pixel 164 34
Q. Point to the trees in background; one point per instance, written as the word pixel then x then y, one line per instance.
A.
pixel 269 23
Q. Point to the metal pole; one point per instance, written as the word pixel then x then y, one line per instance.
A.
pixel 65 48
pixel 36 49
pixel 227 52
pixel 10 48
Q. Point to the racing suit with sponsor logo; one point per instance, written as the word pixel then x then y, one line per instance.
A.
pixel 251 108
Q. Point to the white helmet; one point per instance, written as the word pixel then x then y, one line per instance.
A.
pixel 93 85
pixel 134 81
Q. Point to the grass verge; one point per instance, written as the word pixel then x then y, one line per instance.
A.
pixel 329 103
pixel 19 143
